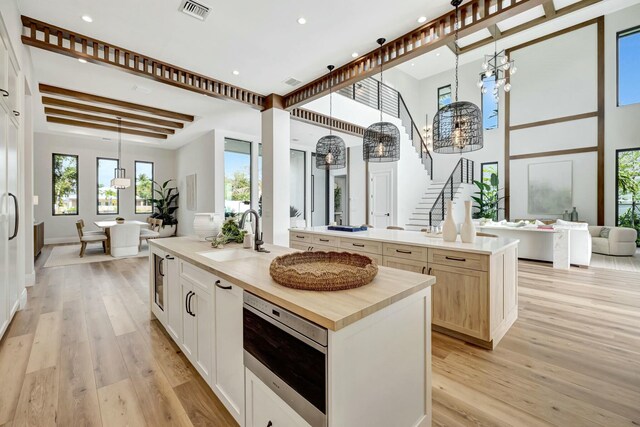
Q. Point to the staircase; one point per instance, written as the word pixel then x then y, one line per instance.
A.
pixel 378 95
pixel 431 209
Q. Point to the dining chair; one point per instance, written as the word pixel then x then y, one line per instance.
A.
pixel 151 233
pixel 89 232
pixel 125 240
pixel 394 227
pixel 90 238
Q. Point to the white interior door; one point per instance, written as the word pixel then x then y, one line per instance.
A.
pixel 381 199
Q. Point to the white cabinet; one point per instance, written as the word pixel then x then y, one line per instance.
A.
pixel 228 377
pixel 13 87
pixel 197 326
pixel 174 308
pixel 265 408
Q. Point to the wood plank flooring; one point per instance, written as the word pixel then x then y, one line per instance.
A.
pixel 84 352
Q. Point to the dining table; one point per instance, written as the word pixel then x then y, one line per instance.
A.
pixel 107 224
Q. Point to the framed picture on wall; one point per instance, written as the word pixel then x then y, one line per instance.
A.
pixel 550 187
pixel 192 198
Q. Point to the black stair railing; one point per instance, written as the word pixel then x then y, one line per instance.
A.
pixel 462 174
pixel 378 95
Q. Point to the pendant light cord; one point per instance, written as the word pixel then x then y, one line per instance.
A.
pixel 119 138
pixel 381 42
pixel 456 45
pixel 330 100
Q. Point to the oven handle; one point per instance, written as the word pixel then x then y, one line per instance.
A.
pixel 287 329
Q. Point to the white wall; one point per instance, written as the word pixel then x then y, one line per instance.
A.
pixel 60 229
pixel 622 124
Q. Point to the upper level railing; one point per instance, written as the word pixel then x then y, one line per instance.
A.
pixel 380 96
pixel 462 174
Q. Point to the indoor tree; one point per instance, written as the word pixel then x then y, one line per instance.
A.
pixel 165 203
pixel 487 198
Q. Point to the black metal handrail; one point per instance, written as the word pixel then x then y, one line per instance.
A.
pixel 463 173
pixel 380 96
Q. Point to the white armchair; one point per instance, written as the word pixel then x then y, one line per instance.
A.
pixel 621 241
pixel 125 239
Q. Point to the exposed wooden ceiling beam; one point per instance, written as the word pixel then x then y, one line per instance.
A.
pixel 78 123
pixel 46 100
pixel 549 9
pixel 92 118
pixel 65 42
pixel 311 117
pixel 475 15
pixel 452 46
pixel 522 27
pixel 68 93
pixel 494 31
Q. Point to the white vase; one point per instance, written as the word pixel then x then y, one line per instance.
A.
pixel 449 229
pixel 207 224
pixel 468 228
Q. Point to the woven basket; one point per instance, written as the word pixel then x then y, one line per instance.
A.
pixel 323 271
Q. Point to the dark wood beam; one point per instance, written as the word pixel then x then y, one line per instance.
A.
pixel 46 100
pixel 311 117
pixel 81 96
pixel 55 39
pixel 554 153
pixel 428 37
pixel 78 123
pixel 92 118
pixel 549 9
pixel 554 121
pixel 494 31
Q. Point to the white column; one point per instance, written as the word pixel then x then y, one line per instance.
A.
pixel 276 142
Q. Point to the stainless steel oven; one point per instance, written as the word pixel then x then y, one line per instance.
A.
pixel 289 355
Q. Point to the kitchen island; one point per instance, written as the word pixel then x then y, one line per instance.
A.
pixel 284 357
pixel 476 293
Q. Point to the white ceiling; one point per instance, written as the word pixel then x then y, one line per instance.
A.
pixel 259 38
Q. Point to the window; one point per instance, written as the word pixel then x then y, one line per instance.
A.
pixel 108 197
pixel 489 102
pixel 64 184
pixel 489 206
pixel 237 176
pixel 444 96
pixel 260 179
pixel 628 66
pixel 628 189
pixel 297 184
pixel 144 187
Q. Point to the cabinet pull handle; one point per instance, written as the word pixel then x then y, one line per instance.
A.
pixel 186 302
pixel 299 237
pixel 324 240
pixel 160 269
pixel 423 268
pixel 223 287
pixel 16 113
pixel 190 311
pixel 400 251
pixel 4 93
pixel 453 258
pixel 269 424
pixel 169 257
pixel 358 245
pixel 429 272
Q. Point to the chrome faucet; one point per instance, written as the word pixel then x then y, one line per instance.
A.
pixel 258 240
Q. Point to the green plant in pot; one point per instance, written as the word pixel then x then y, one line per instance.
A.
pixel 487 199
pixel 230 233
pixel 165 205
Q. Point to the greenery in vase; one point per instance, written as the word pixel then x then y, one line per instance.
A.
pixel 487 198
pixel 166 203
pixel 337 199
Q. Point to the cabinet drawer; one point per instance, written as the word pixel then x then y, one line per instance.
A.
pixel 197 276
pixel 326 240
pixel 405 264
pixel 377 258
pixel 405 251
pixel 300 237
pixel 322 248
pixel 362 245
pixel 301 246
pixel 459 259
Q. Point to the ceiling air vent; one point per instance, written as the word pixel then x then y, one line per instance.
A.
pixel 292 82
pixel 195 9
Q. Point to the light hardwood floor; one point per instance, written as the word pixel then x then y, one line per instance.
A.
pixel 84 352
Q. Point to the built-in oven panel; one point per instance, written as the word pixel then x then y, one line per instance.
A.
pixel 299 364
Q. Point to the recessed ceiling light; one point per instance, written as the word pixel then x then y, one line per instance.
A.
pixel 413 64
pixel 354 55
pixel 302 20
pixel 438 54
pixel 236 72
pixel 87 18
pixel 422 20
pixel 82 60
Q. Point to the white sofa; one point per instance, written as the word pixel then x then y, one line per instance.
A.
pixel 621 241
pixel 125 239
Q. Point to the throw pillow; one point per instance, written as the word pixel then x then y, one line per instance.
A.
pixel 605 232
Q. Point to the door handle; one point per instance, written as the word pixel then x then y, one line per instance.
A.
pixel 387 214
pixel 223 287
pixel 17 217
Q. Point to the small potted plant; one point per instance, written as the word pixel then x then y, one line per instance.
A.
pixel 119 220
pixel 165 204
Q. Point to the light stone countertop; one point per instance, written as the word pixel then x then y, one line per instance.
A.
pixel 482 245
pixel 332 310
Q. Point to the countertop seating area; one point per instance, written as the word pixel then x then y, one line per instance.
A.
pixel 617 241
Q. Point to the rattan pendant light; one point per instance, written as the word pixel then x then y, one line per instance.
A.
pixel 331 151
pixel 381 142
pixel 457 127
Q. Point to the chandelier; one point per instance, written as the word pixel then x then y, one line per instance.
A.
pixel 501 67
pixel 457 127
pixel 331 149
pixel 120 180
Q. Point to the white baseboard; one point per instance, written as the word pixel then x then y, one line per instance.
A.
pixel 23 298
pixel 58 240
pixel 30 279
